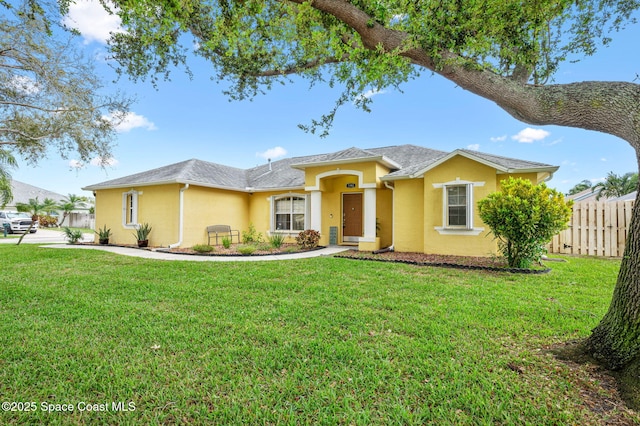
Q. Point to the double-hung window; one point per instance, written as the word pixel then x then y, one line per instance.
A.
pixel 458 208
pixel 289 213
pixel 458 213
pixel 130 209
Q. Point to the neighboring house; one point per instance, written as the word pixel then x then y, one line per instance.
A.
pixel 627 197
pixel 584 196
pixel 413 198
pixel 590 195
pixel 81 216
pixel 23 192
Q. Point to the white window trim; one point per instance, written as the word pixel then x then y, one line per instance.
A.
pixel 125 209
pixel 272 213
pixel 468 229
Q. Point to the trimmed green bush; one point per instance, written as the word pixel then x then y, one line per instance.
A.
pixel 203 248
pixel 524 217
pixel 247 249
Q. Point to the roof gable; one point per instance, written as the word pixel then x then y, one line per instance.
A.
pixel 500 163
pixel 350 155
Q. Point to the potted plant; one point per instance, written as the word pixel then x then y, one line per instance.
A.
pixel 142 234
pixel 103 235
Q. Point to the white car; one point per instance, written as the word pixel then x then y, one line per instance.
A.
pixel 17 221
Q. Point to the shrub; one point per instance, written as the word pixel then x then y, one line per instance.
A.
pixel 276 240
pixel 251 236
pixel 524 217
pixel 47 221
pixel 308 239
pixel 72 235
pixel 203 248
pixel 226 242
pixel 247 249
pixel 263 246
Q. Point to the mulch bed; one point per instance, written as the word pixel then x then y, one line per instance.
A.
pixel 445 261
pixel 233 250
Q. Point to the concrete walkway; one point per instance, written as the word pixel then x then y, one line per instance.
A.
pixel 54 238
pixel 160 255
pixel 43 236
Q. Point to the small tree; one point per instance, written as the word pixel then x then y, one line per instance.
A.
pixel 68 205
pixel 34 207
pixel 585 184
pixel 616 186
pixel 524 217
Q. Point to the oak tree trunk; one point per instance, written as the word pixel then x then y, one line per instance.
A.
pixel 615 342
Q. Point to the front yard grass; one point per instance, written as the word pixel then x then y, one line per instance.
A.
pixel 316 341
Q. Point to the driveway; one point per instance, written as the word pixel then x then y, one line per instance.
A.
pixel 43 236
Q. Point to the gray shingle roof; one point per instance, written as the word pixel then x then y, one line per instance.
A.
pixel 190 171
pixel 22 192
pixel 506 162
pixel 405 161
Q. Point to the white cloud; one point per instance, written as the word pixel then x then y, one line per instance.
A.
pixel 93 22
pixel 474 147
pixel 603 159
pixel 530 135
pixel 498 138
pixel 100 162
pixel 24 84
pixel 75 165
pixel 368 95
pixel 373 92
pixel 272 153
pixel 130 121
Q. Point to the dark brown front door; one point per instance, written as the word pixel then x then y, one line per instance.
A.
pixel 351 217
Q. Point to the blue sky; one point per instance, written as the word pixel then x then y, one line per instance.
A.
pixel 186 119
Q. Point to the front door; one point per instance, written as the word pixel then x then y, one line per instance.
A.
pixel 351 217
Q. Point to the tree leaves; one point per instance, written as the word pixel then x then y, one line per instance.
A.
pixel 49 94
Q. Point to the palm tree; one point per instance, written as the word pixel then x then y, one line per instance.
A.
pixel 585 184
pixel 69 204
pixel 49 205
pixel 616 186
pixel 33 206
pixel 7 161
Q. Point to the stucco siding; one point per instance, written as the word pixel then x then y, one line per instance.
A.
pixel 409 215
pixel 209 206
pixel 156 205
pixel 384 217
pixel 466 244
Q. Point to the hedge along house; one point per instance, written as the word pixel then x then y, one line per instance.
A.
pixel 412 198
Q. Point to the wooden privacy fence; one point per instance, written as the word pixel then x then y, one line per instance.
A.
pixel 595 229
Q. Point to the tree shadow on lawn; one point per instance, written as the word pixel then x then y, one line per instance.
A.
pixel 615 394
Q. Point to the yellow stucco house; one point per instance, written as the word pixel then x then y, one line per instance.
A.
pixel 413 198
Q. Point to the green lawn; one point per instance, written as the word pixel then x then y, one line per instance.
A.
pixel 318 341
